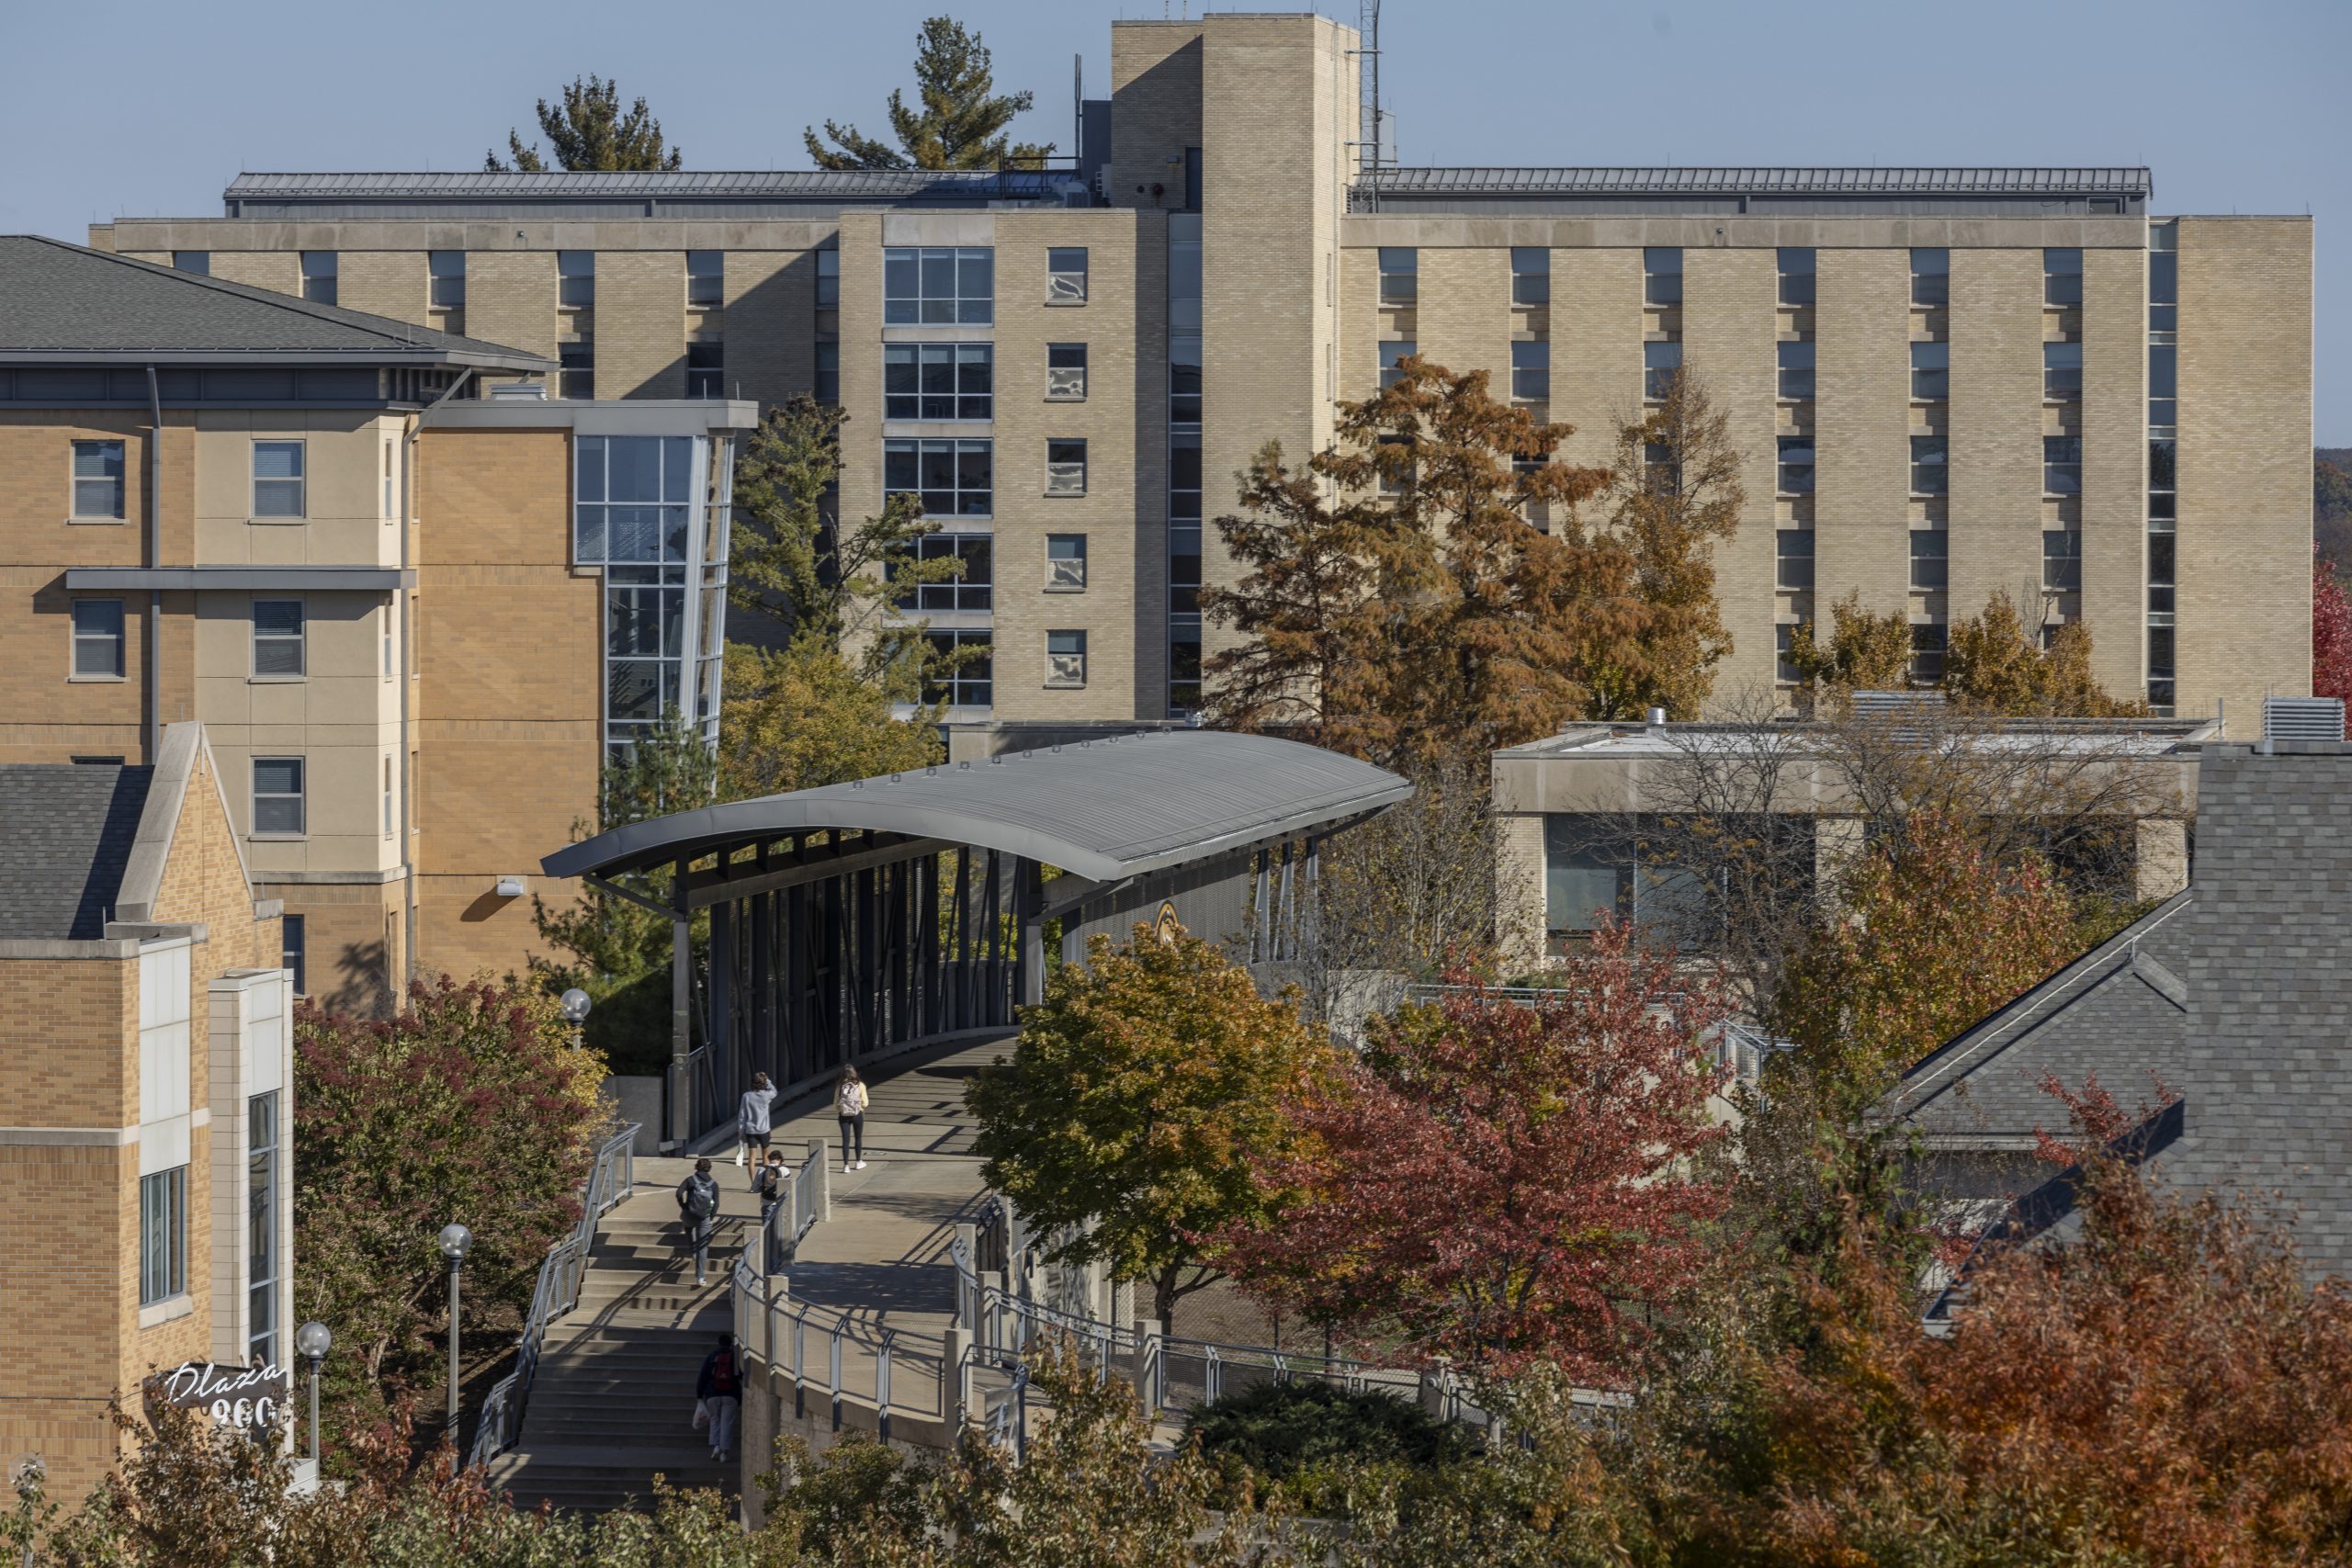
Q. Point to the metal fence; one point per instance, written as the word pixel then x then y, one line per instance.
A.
pixel 610 1179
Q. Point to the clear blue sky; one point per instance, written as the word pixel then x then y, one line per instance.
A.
pixel 119 109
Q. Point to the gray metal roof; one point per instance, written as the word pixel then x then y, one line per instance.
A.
pixel 720 184
pixel 1810 181
pixel 62 303
pixel 66 832
pixel 1104 808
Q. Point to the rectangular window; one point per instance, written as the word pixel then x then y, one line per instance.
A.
pixel 319 271
pixel 292 958
pixel 277 479
pixel 1392 352
pixel 2062 464
pixel 1928 654
pixel 631 495
pixel 1530 275
pixel 198 263
pixel 1796 370
pixel 277 795
pixel 2062 278
pixel 1662 275
pixel 1183 378
pixel 1531 371
pixel 1931 275
pixel 390 508
pixel 1930 372
pixel 1792 557
pixel 384 618
pixel 2062 561
pixel 578 377
pixel 447 272
pixel 1185 478
pixel 1066 275
pixel 1931 560
pixel 97 479
pixel 97 639
pixel 706 279
pixel 261 1228
pixel 938 380
pixel 1582 881
pixel 706 369
pixel 1065 658
pixel 1661 362
pixel 1400 274
pixel 1796 274
pixel 829 370
pixel 1930 465
pixel 277 637
pixel 974 590
pixel 938 286
pixel 2163 559
pixel 2160 662
pixel 2163 497
pixel 1795 475
pixel 1065 563
pixel 1065 467
pixel 388 798
pixel 162 1236
pixel 575 272
pixel 1184 663
pixel 954 479
pixel 829 280
pixel 2164 291
pixel 1066 372
pixel 970 684
pixel 2061 372
pixel 2163 374
pixel 1784 641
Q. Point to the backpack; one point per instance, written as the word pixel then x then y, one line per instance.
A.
pixel 702 1201
pixel 722 1373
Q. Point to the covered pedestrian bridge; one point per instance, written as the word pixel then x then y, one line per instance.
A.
pixel 850 921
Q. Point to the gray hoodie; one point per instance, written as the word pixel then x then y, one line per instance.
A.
pixel 752 1116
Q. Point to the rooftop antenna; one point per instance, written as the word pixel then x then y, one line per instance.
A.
pixel 1375 131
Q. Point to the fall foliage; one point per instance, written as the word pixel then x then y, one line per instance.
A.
pixel 1996 664
pixel 2331 634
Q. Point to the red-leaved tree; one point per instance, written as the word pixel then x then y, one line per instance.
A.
pixel 2330 633
pixel 1498 1183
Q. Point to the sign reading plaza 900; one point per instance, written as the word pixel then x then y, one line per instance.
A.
pixel 240 1398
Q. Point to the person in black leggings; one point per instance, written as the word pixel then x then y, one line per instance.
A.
pixel 849 1106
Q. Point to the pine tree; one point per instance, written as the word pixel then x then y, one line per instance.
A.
pixel 589 132
pixel 959 123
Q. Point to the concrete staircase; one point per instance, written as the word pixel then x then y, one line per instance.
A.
pixel 613 1403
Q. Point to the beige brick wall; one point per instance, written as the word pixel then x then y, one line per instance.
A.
pixel 2115 466
pixel 1862 410
pixel 1997 430
pixel 640 324
pixel 770 324
pixel 1730 346
pixel 1464 314
pixel 1155 72
pixel 1595 347
pixel 510 298
pixel 384 283
pixel 281 270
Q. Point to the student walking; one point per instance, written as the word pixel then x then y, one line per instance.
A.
pixel 771 1184
pixel 849 1105
pixel 719 1390
pixel 752 1124
pixel 699 1210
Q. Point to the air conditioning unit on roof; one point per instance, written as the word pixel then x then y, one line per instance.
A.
pixel 2302 718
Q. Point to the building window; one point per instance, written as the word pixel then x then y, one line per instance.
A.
pixel 1928 654
pixel 1065 658
pixel 2062 464
pixel 277 795
pixel 319 276
pixel 1931 275
pixel 162 1236
pixel 829 280
pixel 2061 372
pixel 198 263
pixel 1796 274
pixel 938 380
pixel 972 591
pixel 277 479
pixel 632 494
pixel 1066 275
pixel 2164 291
pixel 277 637
pixel 1184 662
pixel 1795 476
pixel 97 639
pixel 954 479
pixel 706 369
pixel 1530 275
pixel 2163 498
pixel 1065 563
pixel 1930 372
pixel 447 271
pixel 2161 672
pixel 1661 362
pixel 1531 371
pixel 1796 371
pixel 388 798
pixel 1185 478
pixel 261 1229
pixel 1793 558
pixel 829 370
pixel 706 279
pixel 2164 371
pixel 1400 274
pixel 2062 561
pixel 1662 275
pixel 939 286
pixel 1930 465
pixel 577 380
pixel 1066 372
pixel 1065 467
pixel 1784 642
pixel 1183 378
pixel 97 479
pixel 969 684
pixel 1931 560
pixel 384 618
pixel 575 272
pixel 1394 352
pixel 292 956
pixel 390 510
pixel 2162 562
pixel 2062 278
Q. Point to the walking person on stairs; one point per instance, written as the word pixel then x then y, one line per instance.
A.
pixel 751 1125
pixel 697 1210
pixel 849 1105
pixel 721 1396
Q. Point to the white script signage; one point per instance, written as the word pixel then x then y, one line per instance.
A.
pixel 239 1397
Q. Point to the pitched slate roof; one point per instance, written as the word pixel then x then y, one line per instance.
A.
pixel 60 302
pixel 66 832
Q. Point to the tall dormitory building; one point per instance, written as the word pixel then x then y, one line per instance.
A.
pixel 1945 382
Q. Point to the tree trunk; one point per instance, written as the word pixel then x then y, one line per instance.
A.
pixel 1163 1299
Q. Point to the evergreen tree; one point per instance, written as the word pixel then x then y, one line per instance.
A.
pixel 960 120
pixel 589 132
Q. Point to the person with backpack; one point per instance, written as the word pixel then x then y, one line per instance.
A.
pixel 849 1106
pixel 751 1125
pixel 719 1389
pixel 698 1211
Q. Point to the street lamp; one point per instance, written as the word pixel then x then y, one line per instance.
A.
pixel 575 1005
pixel 455 1240
pixel 311 1341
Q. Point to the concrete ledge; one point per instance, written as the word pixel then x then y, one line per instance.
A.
pixel 114 948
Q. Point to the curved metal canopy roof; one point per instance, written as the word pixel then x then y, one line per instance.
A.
pixel 1101 809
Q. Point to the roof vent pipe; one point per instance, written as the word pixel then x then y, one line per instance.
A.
pixel 1657 718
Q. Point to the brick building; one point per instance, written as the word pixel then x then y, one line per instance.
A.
pixel 1945 382
pixel 146 1110
pixel 410 648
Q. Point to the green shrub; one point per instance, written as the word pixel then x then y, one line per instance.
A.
pixel 1287 1432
